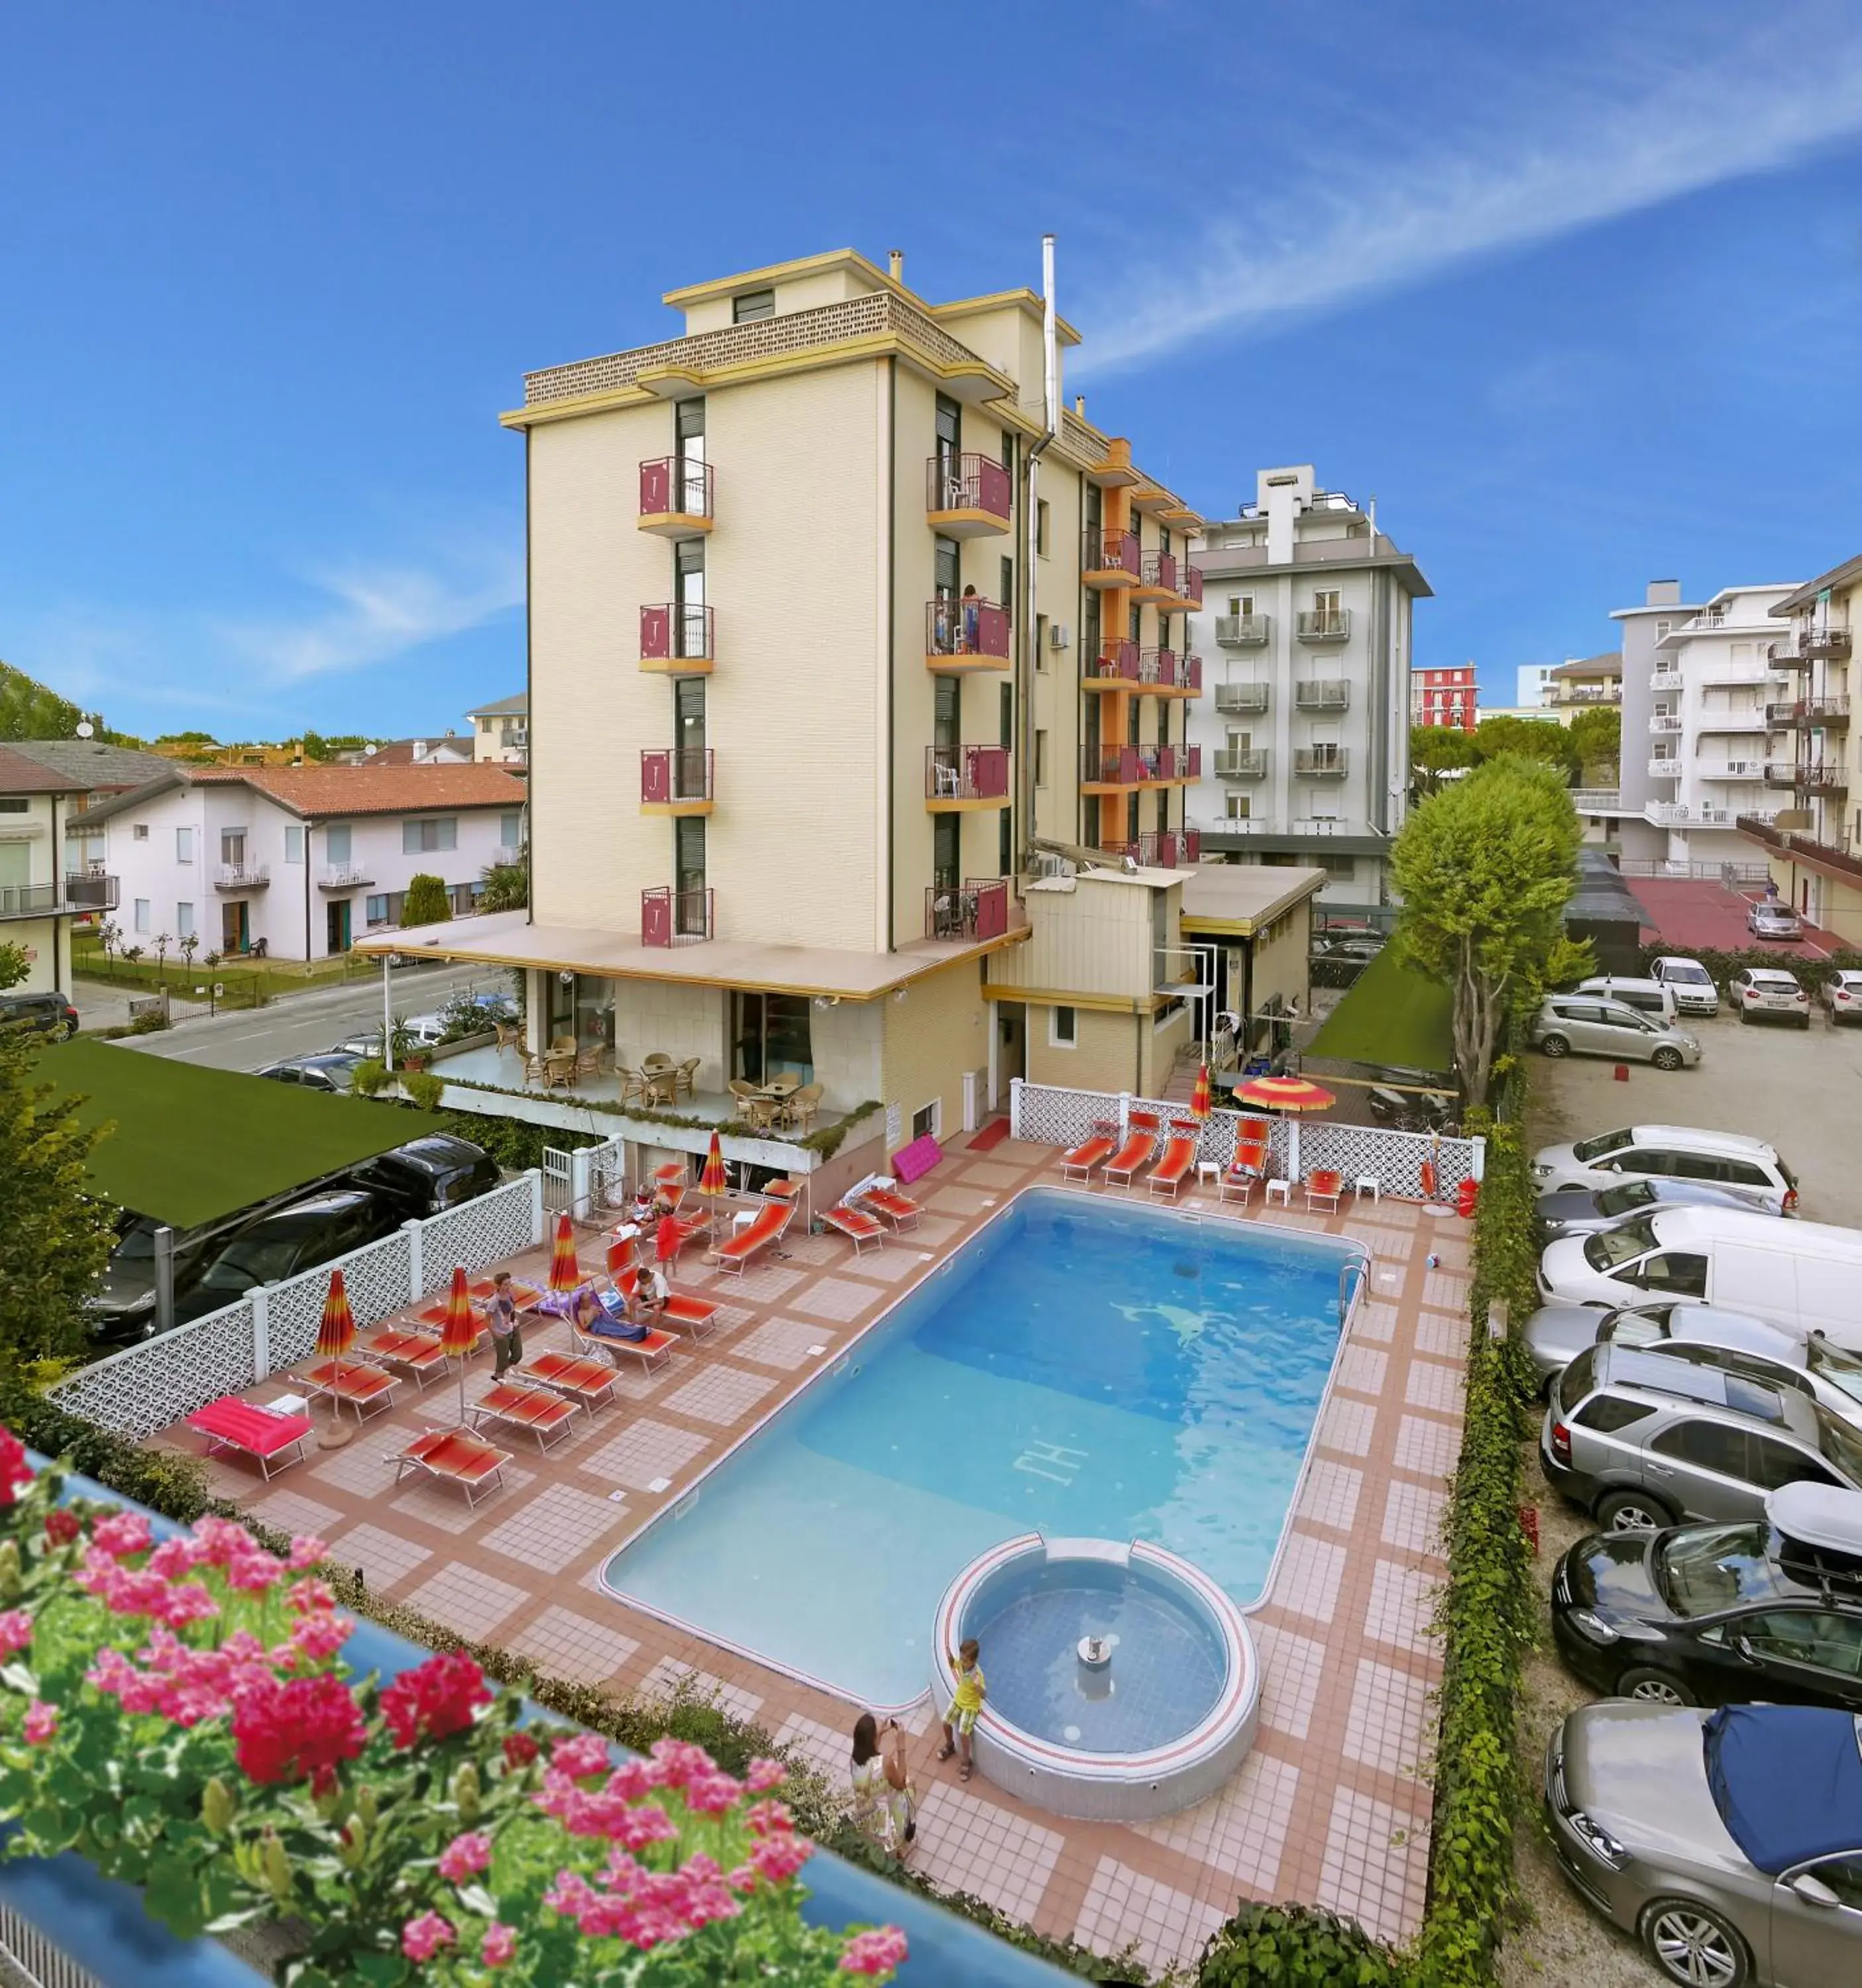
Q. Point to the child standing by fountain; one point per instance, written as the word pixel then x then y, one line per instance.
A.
pixel 967 1695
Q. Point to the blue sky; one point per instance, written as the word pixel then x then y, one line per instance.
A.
pixel 1574 290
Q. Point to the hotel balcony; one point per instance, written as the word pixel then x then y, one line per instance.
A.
pixel 676 640
pixel 1665 680
pixel 91 890
pixel 1830 713
pixel 345 877
pixel 1677 814
pixel 1242 700
pixel 968 496
pixel 1321 763
pixel 1665 724
pixel 1115 667
pixel 1243 631
pixel 1110 559
pixel 978 908
pixel 1318 625
pixel 1251 765
pixel 1165 849
pixel 965 633
pixel 1322 694
pixel 1166 674
pixel 58 900
pixel 241 876
pixel 1828 777
pixel 675 497
pixel 674 917
pixel 1189 585
pixel 1833 857
pixel 1732 769
pixel 1806 646
pixel 1157 579
pixel 676 780
pixel 1665 766
pixel 1105 769
pixel 960 778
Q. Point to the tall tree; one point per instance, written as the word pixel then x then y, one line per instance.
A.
pixel 1436 750
pixel 1597 734
pixel 1485 868
pixel 29 710
pixel 1542 738
pixel 426 903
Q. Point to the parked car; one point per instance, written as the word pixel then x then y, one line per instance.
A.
pixel 1653 998
pixel 1641 1440
pixel 1842 997
pixel 1577 1211
pixel 1748 1167
pixel 1722 1614
pixel 1774 922
pixel 1689 1829
pixel 43 1014
pixel 285 1241
pixel 1807 1277
pixel 1763 991
pixel 1556 1334
pixel 1818 1369
pixel 1568 1023
pixel 121 1310
pixel 331 1070
pixel 1691 984
pixel 430 1174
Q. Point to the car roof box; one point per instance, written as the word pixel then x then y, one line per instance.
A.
pixel 1818 1515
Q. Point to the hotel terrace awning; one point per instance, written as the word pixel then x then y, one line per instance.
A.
pixel 508 938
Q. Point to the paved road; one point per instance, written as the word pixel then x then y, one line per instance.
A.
pixel 299 1024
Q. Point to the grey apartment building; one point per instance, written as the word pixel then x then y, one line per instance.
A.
pixel 1304 717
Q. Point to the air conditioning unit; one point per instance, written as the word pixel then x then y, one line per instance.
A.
pixel 1046 866
pixel 1058 635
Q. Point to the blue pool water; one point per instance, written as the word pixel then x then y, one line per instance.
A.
pixel 1079 1368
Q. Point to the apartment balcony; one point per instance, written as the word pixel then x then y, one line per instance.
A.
pixel 1799 650
pixel 676 781
pixel 1321 763
pixel 1678 814
pixel 965 633
pixel 1322 694
pixel 1317 625
pixel 677 641
pixel 1665 725
pixel 674 917
pixel 1110 559
pixel 1243 631
pixel 675 497
pixel 91 890
pixel 1157 579
pixel 1826 777
pixel 51 901
pixel 1665 766
pixel 241 876
pixel 1115 667
pixel 346 877
pixel 1830 713
pixel 968 496
pixel 1661 680
pixel 1189 585
pixel 1732 769
pixel 1108 769
pixel 1242 700
pixel 1249 765
pixel 1597 800
pixel 1164 673
pixel 976 909
pixel 1838 857
pixel 961 780
pixel 1166 849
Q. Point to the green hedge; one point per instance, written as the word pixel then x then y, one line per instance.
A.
pixel 1722 966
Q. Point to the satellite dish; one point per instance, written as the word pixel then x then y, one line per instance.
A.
pixel 85 728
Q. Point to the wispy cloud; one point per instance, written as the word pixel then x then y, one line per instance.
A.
pixel 1638 126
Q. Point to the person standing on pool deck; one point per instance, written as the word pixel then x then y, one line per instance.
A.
pixel 501 1315
pixel 968 1693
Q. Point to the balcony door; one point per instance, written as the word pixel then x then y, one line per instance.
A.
pixel 949 421
pixel 232 848
pixel 688 875
pixel 688 738
pixel 1328 618
pixel 688 590
pixel 770 1036
pixel 689 420
pixel 947 862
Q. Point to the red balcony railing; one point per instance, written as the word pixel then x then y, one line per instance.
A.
pixel 1168 671
pixel 959 625
pixel 1161 572
pixel 966 772
pixel 978 908
pixel 968 482
pixel 1139 766
pixel 675 486
pixel 1117 662
pixel 1166 849
pixel 675 774
pixel 674 917
pixel 1189 585
pixel 1110 552
pixel 670 633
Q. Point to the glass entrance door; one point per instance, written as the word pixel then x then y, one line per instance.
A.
pixel 771 1037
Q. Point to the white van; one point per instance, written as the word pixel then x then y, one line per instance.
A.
pixel 1744 1167
pixel 1653 998
pixel 1806 1276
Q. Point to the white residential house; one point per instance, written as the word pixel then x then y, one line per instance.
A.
pixel 501 732
pixel 300 861
pixel 38 895
pixel 1304 714
pixel 1531 681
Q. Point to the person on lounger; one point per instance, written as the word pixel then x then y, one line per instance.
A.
pixel 651 1295
pixel 601 1321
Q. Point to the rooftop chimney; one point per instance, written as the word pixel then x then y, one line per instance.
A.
pixel 895 259
pixel 1080 405
pixel 1664 593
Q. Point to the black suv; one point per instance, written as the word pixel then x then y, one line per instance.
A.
pixel 429 1176
pixel 279 1244
pixel 44 1014
pixel 1720 1614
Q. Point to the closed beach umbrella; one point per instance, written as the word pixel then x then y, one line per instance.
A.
pixel 565 1272
pixel 1286 1093
pixel 337 1333
pixel 1199 1097
pixel 713 1183
pixel 458 1329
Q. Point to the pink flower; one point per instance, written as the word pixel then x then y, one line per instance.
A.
pixel 437 1698
pixel 520 1749
pixel 762 1775
pixel 15 1632
pixel 217 1541
pixel 171 1559
pixel 304 1596
pixel 122 1533
pixel 306 1550
pixel 498 1947
pixel 252 1574
pixel 878 1952
pixel 41 1723
pixel 307 1726
pixel 61 1527
pixel 679 1761
pixel 779 1857
pixel 587 1754
pixel 767 1818
pixel 186 1602
pixel 712 1795
pixel 319 1636
pixel 15 1470
pixel 465 1856
pixel 421 1939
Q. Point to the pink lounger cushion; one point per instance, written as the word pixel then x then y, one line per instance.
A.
pixel 913 1162
pixel 240 1424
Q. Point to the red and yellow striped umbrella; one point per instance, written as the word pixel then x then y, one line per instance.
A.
pixel 711 1179
pixel 1199 1097
pixel 1286 1093
pixel 459 1329
pixel 337 1333
pixel 565 1272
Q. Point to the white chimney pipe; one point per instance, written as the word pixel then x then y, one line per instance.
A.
pixel 1050 336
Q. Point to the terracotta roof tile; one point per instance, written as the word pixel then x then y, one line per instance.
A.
pixel 21 775
pixel 347 790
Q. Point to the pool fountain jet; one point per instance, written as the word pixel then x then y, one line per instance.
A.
pixel 1095 1651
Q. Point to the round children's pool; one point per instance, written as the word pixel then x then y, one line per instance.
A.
pixel 1122 1681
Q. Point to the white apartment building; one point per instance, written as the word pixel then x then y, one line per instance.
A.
pixel 1531 681
pixel 501 732
pixel 39 894
pixel 1304 716
pixel 1697 681
pixel 297 862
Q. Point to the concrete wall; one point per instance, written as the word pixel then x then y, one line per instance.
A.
pixel 1281 960
pixel 932 1037
pixel 1105 1055
pixel 1090 935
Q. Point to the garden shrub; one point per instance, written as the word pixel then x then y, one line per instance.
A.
pixel 1298 1946
pixel 423 1089
pixel 1813 973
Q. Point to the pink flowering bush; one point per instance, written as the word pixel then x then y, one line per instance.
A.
pixel 178 1712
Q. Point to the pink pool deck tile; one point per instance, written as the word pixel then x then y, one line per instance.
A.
pixel 1331 1806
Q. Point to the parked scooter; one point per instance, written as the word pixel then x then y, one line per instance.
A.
pixel 1412 1111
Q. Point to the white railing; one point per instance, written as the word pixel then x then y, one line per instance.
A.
pixel 1597 800
pixel 145 1388
pixel 1051 1115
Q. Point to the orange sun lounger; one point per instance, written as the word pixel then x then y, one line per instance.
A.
pixel 1170 1172
pixel 415 1353
pixel 649 1352
pixel 589 1383
pixel 1130 1157
pixel 451 1457
pixel 900 1210
pixel 1086 1156
pixel 735 1251
pixel 1245 1172
pixel 230 1423
pixel 857 1226
pixel 697 1316
pixel 1325 1184
pixel 363 1387
pixel 540 1410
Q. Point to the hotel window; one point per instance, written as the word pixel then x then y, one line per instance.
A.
pixel 748 306
pixel 1326 606
pixel 335 842
pixel 376 909
pixel 1063 1028
pixel 427 837
pixel 927 1120
pixel 232 848
pixel 139 832
pixel 510 830
pixel 1040 759
pixel 294 845
pixel 1007 576
pixel 1240 807
pixel 184 845
pixel 1041 526
pixel 184 921
pixel 141 920
pixel 1040 641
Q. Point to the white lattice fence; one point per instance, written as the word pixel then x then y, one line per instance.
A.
pixel 378 1280
pixel 1396 1158
pixel 145 1388
pixel 607 1173
pixel 558 1180
pixel 1051 1115
pixel 480 1232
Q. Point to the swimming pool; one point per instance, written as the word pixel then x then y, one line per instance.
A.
pixel 1081 1367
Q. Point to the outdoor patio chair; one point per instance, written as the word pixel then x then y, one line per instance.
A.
pixel 736 1251
pixel 900 1210
pixel 649 1351
pixel 1135 1152
pixel 685 1079
pixel 588 1383
pixel 542 1412
pixel 535 1070
pixel 588 1059
pixel 1168 1176
pixel 510 1036
pixel 1324 1184
pixel 857 1226
pixel 1252 1132
pixel 262 1434
pixel 414 1353
pixel 1088 1155
pixel 365 1388
pixel 798 1110
pixel 559 1070
pixel 1245 1173
pixel 451 1457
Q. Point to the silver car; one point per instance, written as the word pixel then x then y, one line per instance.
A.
pixel 1589 1025
pixel 1774 922
pixel 1577 1211
pixel 1556 1334
pixel 1690 1829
